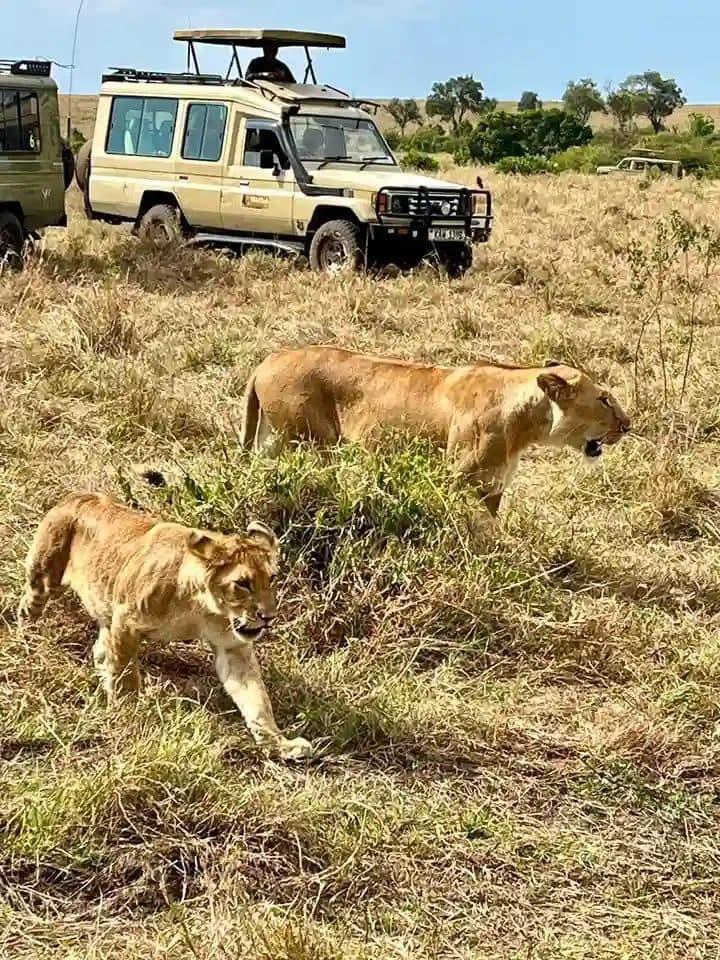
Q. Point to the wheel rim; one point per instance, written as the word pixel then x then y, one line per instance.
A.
pixel 334 255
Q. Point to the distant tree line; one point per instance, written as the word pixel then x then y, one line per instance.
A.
pixel 461 119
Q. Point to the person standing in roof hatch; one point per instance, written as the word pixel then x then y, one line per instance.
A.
pixel 269 67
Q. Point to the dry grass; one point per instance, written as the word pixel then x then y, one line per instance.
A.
pixel 519 728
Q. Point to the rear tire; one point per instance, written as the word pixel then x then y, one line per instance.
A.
pixel 82 165
pixel 68 162
pixel 336 247
pixel 12 241
pixel 161 225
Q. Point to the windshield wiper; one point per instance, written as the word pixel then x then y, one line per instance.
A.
pixel 367 160
pixel 332 160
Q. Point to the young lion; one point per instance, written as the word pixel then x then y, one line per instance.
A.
pixel 484 416
pixel 140 578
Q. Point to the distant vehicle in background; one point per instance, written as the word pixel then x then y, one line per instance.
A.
pixel 644 165
pixel 36 167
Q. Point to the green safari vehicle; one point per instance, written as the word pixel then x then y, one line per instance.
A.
pixel 35 165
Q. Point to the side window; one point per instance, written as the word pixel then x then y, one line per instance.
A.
pixel 258 139
pixel 19 122
pixel 142 126
pixel 204 131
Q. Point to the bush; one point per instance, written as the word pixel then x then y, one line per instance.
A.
pixel 461 155
pixel 586 159
pixel 428 139
pixel 416 160
pixel 393 138
pixel 617 139
pixel 525 165
pixel 533 132
pixel 701 126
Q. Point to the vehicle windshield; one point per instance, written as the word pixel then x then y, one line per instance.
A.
pixel 320 140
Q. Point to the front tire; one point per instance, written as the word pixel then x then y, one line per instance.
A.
pixel 12 241
pixel 336 247
pixel 161 225
pixel 456 259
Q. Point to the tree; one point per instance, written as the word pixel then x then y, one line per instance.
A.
pixel 404 112
pixel 529 133
pixel 457 97
pixel 582 98
pixel 625 105
pixel 530 101
pixel 657 96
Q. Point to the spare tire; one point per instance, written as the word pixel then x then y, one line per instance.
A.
pixel 82 165
pixel 68 162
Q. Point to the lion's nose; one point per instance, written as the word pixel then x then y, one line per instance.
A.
pixel 625 427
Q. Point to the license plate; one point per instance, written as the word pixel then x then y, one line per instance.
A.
pixel 445 234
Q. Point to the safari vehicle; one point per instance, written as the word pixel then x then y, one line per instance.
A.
pixel 35 166
pixel 300 167
pixel 644 165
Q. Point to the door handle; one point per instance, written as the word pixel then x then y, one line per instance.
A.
pixel 244 183
pixel 183 177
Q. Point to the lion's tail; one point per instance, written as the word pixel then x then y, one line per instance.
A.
pixel 251 416
pixel 48 557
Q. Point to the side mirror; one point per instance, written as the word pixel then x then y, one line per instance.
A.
pixel 267 160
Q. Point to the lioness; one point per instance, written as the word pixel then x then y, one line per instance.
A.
pixel 140 578
pixel 483 415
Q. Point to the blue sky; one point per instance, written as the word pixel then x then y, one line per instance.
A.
pixel 399 47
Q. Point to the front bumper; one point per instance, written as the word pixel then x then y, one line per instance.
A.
pixel 452 210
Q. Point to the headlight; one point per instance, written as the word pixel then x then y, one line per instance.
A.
pixel 400 204
pixel 479 205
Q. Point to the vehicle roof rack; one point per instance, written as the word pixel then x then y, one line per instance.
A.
pixel 130 74
pixel 26 68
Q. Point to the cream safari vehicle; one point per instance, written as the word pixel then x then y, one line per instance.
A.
pixel 257 161
pixel 644 165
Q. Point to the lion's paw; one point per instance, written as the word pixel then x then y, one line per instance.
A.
pixel 297 749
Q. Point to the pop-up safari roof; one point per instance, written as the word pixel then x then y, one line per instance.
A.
pixel 251 37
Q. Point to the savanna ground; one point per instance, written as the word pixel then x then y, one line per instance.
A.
pixel 518 727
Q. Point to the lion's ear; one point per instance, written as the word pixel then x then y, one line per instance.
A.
pixel 263 534
pixel 556 387
pixel 203 545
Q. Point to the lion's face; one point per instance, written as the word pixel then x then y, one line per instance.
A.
pixel 239 577
pixel 585 416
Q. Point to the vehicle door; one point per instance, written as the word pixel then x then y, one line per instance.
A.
pixel 259 185
pixel 31 172
pixel 199 164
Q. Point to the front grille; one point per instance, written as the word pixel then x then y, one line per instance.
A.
pixel 434 205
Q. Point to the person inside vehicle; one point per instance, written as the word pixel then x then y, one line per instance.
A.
pixel 313 144
pixel 268 66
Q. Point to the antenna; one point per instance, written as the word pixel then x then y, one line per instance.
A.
pixel 81 4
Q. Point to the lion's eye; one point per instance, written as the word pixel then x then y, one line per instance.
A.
pixel 606 401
